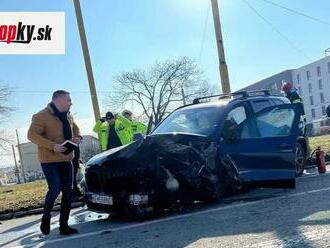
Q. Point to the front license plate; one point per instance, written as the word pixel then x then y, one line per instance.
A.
pixel 101 199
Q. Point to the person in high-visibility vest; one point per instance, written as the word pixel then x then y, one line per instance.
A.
pixel 113 131
pixel 292 94
pixel 137 126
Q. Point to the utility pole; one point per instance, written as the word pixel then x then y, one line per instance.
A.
pixel 221 53
pixel 16 167
pixel 183 96
pixel 87 59
pixel 20 157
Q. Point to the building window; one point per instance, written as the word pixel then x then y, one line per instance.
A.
pixel 313 113
pixel 310 88
pixel 329 67
pixel 322 97
pixel 318 69
pixel 323 110
pixel 320 84
pixel 300 90
pixel 308 75
pixel 298 78
pixel 311 100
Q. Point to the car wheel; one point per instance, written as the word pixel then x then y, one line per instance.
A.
pixel 290 184
pixel 136 213
pixel 139 212
pixel 300 158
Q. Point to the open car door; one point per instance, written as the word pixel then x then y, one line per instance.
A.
pixel 262 147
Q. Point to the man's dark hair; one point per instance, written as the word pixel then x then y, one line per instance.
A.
pixel 109 116
pixel 59 93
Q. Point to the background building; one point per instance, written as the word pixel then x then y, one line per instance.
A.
pixel 272 83
pixel 89 147
pixel 7 176
pixel 312 82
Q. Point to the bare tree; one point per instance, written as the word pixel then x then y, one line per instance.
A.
pixel 5 111
pixel 157 91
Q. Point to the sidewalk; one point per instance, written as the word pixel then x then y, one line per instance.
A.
pixel 75 203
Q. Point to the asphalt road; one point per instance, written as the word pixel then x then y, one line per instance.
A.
pixel 258 218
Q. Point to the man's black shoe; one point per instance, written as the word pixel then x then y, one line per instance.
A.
pixel 66 230
pixel 45 225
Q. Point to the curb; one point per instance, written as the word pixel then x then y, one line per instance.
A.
pixel 36 211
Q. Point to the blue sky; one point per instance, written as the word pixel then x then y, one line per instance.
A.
pixel 127 34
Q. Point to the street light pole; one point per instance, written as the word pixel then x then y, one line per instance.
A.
pixel 20 157
pixel 87 59
pixel 221 53
pixel 183 96
pixel 16 167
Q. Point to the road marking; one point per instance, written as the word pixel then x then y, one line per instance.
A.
pixel 147 223
pixel 316 174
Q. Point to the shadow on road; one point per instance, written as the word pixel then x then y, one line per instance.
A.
pixel 279 220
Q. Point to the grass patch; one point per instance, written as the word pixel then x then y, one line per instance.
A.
pixel 323 141
pixel 25 196
pixel 28 196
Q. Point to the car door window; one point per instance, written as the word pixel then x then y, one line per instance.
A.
pixel 275 123
pixel 235 117
pixel 259 105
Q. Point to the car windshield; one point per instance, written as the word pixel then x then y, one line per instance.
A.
pixel 203 121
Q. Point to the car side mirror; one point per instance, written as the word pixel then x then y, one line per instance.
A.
pixel 231 135
pixel 230 131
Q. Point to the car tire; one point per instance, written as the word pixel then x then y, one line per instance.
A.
pixel 300 159
pixel 140 213
pixel 290 184
pixel 135 213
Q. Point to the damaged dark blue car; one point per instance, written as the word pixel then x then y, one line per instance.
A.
pixel 200 152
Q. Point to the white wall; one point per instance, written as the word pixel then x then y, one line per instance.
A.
pixel 314 80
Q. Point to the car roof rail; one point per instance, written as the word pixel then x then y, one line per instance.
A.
pixel 220 96
pixel 237 93
pixel 255 92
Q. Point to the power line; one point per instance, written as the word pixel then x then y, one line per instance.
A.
pixel 204 31
pixel 297 12
pixel 50 92
pixel 277 31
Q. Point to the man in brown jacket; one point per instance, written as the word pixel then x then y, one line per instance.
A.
pixel 49 129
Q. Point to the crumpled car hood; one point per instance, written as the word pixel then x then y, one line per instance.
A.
pixel 172 160
pixel 162 141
